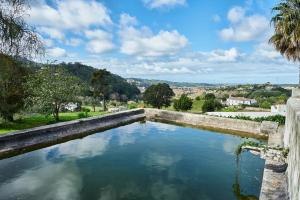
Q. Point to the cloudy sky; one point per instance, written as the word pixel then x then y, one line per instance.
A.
pixel 180 40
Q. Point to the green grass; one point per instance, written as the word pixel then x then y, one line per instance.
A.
pixel 30 121
pixel 197 106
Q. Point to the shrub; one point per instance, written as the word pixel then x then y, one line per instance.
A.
pixel 184 103
pixel 198 98
pixel 276 118
pixel 81 115
pixel 132 106
pixel 211 105
pixel 265 104
pixel 209 96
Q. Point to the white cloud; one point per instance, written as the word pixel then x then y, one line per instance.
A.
pixel 245 28
pixel 163 3
pixel 230 55
pixel 267 51
pixel 70 14
pixel 57 52
pixel 52 33
pixel 100 41
pixel 236 14
pixel 142 42
pixel 74 42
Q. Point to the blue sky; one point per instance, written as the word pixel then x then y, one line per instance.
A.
pixel 179 40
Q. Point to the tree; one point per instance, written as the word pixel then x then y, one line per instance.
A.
pixel 209 96
pixel 184 103
pixel 12 94
pixel 17 38
pixel 211 105
pixel 158 95
pixel 50 88
pixel 101 86
pixel 286 38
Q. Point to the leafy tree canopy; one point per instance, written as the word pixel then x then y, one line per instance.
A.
pixel 211 105
pixel 209 96
pixel 50 88
pixel 12 94
pixel 184 103
pixel 158 95
pixel 17 38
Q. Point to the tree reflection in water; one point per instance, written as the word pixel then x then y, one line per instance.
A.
pixel 236 186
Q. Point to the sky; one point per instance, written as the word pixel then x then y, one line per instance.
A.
pixel 204 41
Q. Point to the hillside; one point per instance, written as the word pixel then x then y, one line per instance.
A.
pixel 84 73
pixel 147 82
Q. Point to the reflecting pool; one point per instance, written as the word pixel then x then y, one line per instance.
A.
pixel 139 161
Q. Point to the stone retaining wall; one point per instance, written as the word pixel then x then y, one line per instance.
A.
pixel 254 128
pixel 292 141
pixel 20 141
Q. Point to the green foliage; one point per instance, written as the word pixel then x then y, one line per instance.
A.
pixel 197 106
pixel 211 105
pixel 210 96
pixel 198 98
pixel 50 88
pixel 286 22
pixel 184 103
pixel 100 84
pixel 275 118
pixel 30 121
pixel 158 95
pixel 81 115
pixel 18 39
pixel 12 94
pixel 132 106
pixel 248 143
pixel 117 85
pixel 231 109
pixel 265 104
pixel 85 112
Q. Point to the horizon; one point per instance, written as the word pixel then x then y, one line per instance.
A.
pixel 174 40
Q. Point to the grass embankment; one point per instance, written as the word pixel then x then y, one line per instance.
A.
pixel 31 121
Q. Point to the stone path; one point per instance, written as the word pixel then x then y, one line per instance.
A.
pixel 274 185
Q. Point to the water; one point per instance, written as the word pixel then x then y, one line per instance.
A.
pixel 141 161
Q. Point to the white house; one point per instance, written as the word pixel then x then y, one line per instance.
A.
pixel 235 101
pixel 278 109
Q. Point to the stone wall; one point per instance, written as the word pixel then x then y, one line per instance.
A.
pixel 27 140
pixel 292 141
pixel 254 128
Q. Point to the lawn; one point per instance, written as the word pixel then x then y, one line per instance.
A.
pixel 30 121
pixel 197 106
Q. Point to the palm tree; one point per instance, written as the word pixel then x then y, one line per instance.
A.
pixel 286 38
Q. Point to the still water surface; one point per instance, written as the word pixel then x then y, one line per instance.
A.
pixel 140 161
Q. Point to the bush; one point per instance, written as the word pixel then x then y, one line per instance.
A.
pixel 85 111
pixel 198 98
pixel 132 106
pixel 184 103
pixel 276 118
pixel 210 96
pixel 265 104
pixel 81 115
pixel 211 105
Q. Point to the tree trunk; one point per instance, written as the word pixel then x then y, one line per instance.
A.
pixel 94 108
pixel 56 113
pixel 104 104
pixel 9 118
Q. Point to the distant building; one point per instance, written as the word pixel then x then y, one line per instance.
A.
pixel 236 101
pixel 278 109
pixel 71 107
